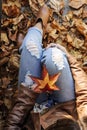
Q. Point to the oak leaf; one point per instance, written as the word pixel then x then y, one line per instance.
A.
pixel 47 83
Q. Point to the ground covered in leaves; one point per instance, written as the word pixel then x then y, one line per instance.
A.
pixel 67 26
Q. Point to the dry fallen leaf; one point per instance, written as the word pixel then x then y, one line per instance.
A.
pixel 56 5
pixel 77 3
pixel 81 27
pixel 11 11
pixel 78 13
pixel 5 81
pixel 84 13
pixel 3 61
pixel 12 34
pixel 4 37
pixel 48 82
pixel 35 5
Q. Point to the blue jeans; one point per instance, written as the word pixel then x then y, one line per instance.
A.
pixel 33 56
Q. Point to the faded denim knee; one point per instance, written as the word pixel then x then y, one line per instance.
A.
pixel 53 58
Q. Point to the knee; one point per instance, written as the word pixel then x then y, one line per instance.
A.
pixel 53 58
pixel 34 49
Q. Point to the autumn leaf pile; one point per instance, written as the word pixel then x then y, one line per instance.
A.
pixel 67 26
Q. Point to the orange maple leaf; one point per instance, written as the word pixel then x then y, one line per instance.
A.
pixel 47 83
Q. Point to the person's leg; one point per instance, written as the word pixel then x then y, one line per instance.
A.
pixel 56 61
pixel 30 62
pixel 31 51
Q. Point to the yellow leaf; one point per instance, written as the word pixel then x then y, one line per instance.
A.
pixel 47 83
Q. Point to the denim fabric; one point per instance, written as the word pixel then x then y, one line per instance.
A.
pixel 33 56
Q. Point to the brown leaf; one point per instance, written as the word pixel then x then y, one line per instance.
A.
pixel 24 24
pixel 34 6
pixel 41 2
pixel 53 34
pixel 24 2
pixel 6 50
pixel 74 41
pixel 3 61
pixel 18 19
pixel 13 63
pixel 8 103
pixel 12 34
pixel 5 82
pixel 81 27
pixel 76 54
pixel 6 22
pixel 57 26
pixel 56 5
pixel 77 3
pixel 69 38
pixel 11 10
pixel 78 13
pixel 4 37
pixel 84 13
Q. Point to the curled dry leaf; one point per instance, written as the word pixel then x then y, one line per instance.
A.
pixel 14 62
pixel 69 16
pixel 53 29
pixel 56 5
pixel 47 83
pixel 12 34
pixel 77 3
pixel 4 37
pixel 53 34
pixel 24 24
pixel 81 27
pixel 4 53
pixel 74 41
pixel 14 59
pixel 78 13
pixel 85 61
pixel 11 10
pixel 3 61
pixel 24 2
pixel 77 43
pixel 6 50
pixel 8 103
pixel 17 19
pixel 12 2
pixel 76 54
pixel 57 26
pixel 41 2
pixel 5 82
pixel 34 6
pixel 84 13
pixel 6 22
pixel 69 39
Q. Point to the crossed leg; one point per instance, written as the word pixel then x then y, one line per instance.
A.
pixel 33 56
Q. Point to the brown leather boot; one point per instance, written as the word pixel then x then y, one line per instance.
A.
pixel 81 91
pixel 60 117
pixel 22 107
pixel 36 120
pixel 43 15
